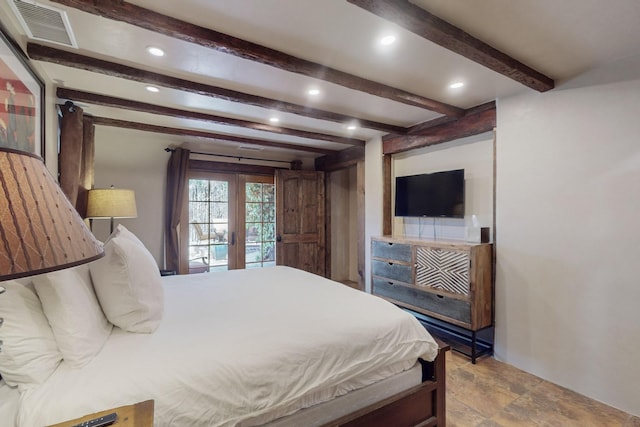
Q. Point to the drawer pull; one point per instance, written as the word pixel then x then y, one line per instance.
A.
pixel 391 283
pixel 390 263
pixel 390 244
pixel 440 296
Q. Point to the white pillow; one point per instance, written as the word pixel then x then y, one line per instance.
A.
pixel 71 306
pixel 29 350
pixel 128 283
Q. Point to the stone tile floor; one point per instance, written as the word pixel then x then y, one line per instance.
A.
pixel 494 394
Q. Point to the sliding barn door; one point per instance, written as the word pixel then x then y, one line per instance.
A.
pixel 300 220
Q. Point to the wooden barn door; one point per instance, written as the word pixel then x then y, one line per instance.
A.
pixel 300 220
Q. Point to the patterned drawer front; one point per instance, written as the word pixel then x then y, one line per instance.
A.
pixel 443 269
pixel 397 251
pixel 391 271
pixel 442 305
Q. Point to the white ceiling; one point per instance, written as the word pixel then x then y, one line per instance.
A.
pixel 558 38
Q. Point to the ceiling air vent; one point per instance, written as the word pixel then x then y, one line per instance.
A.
pixel 250 148
pixel 45 23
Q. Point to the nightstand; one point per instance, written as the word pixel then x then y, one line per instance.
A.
pixel 136 415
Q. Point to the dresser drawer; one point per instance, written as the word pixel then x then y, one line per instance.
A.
pixel 387 250
pixel 441 305
pixel 392 271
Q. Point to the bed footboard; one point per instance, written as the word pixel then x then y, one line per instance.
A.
pixel 423 405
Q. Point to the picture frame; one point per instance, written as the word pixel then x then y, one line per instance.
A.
pixel 21 100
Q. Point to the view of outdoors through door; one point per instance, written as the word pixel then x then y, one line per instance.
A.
pixel 260 224
pixel 216 209
pixel 208 225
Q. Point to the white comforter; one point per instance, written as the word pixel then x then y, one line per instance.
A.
pixel 235 345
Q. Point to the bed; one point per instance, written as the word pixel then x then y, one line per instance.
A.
pixel 274 346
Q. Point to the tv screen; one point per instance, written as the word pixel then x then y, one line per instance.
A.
pixel 439 194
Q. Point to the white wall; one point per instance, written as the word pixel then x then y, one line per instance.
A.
pixel 568 241
pixel 134 160
pixel 474 155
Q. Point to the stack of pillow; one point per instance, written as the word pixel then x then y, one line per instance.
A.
pixel 68 315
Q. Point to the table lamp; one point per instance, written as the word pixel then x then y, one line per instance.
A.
pixel 111 203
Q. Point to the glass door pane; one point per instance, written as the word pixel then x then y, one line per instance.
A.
pixel 260 216
pixel 208 225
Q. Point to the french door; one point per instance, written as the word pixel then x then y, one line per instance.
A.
pixel 231 222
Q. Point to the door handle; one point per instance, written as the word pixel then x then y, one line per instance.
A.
pixel 279 238
pixel 233 238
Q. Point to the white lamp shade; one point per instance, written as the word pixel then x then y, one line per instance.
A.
pixel 111 203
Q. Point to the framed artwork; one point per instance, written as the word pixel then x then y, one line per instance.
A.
pixel 21 100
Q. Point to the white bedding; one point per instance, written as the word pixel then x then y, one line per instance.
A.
pixel 8 404
pixel 238 345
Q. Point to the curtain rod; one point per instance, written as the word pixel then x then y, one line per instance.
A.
pixel 230 156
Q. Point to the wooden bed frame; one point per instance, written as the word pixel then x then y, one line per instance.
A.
pixel 420 406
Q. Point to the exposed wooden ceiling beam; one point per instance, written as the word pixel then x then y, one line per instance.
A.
pixel 420 128
pixel 105 121
pixel 477 120
pixel 340 159
pixel 109 101
pixel 432 28
pixel 144 18
pixel 112 69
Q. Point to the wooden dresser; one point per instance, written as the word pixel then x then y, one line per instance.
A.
pixel 445 280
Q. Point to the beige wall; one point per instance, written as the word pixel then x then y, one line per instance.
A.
pixel 134 160
pixel 568 204
pixel 474 155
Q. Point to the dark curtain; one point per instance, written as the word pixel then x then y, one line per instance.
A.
pixel 76 158
pixel 176 190
pixel 70 156
pixel 87 166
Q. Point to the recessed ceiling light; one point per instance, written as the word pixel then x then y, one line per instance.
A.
pixel 153 89
pixel 274 120
pixel 387 40
pixel 313 92
pixel 155 51
pixel 456 85
pixel 352 127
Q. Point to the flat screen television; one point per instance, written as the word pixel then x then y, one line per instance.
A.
pixel 439 194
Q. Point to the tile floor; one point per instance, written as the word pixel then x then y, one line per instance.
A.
pixel 494 394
